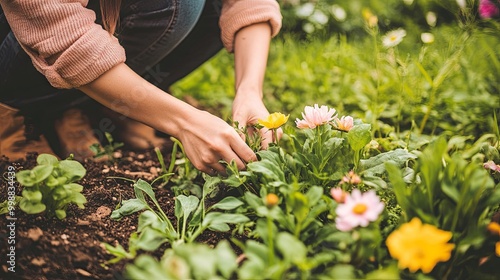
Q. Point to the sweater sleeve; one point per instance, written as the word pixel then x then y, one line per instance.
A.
pixel 63 40
pixel 237 14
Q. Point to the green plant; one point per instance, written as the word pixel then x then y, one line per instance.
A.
pixel 192 218
pixel 51 186
pixel 108 149
pixel 454 195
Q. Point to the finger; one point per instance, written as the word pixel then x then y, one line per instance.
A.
pixel 218 168
pixel 267 136
pixel 242 152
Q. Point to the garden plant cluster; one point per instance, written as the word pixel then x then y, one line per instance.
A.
pixel 388 166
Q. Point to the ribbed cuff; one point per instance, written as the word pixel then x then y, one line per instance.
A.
pixel 91 56
pixel 245 13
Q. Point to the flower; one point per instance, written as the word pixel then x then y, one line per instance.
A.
pixel 431 18
pixel 497 249
pixel 393 38
pixel 370 19
pixel 494 228
pixel 427 38
pixel 345 123
pixel 338 194
pixel 314 116
pixel 492 166
pixel 351 178
pixel 488 9
pixel 419 246
pixel 358 210
pixel 274 120
pixel 271 200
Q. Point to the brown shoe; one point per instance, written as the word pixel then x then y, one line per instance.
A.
pixel 133 134
pixel 75 134
pixel 14 142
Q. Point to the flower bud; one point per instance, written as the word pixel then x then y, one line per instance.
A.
pixel 271 200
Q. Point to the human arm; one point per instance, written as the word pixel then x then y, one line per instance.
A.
pixel 251 47
pixel 205 137
pixel 247 28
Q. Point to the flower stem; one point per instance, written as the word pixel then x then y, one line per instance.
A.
pixel 271 240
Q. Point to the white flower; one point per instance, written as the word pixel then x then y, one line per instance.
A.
pixel 393 38
pixel 308 27
pixel 338 12
pixel 427 38
pixel 462 3
pixel 305 10
pixel 319 17
pixel 431 18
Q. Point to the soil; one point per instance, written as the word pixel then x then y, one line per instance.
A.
pixel 48 248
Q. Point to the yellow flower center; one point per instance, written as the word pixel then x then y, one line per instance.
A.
pixel 393 38
pixel 359 208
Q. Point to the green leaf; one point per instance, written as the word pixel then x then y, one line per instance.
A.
pixel 299 204
pixel 214 218
pixel 219 227
pixel 145 267
pixel 359 136
pixel 269 169
pixel 291 248
pixel 149 219
pixel 32 196
pixel 399 185
pixel 34 176
pixel 118 252
pixel 72 169
pixel 78 199
pixel 228 203
pixel 343 271
pixel 226 259
pixel 128 207
pixel 31 208
pixel 46 159
pixel 60 214
pixel 145 187
pixel 150 239
pixel 375 166
pixel 187 203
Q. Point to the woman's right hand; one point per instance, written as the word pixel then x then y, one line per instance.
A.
pixel 207 140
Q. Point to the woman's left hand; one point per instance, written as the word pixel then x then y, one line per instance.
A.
pixel 248 108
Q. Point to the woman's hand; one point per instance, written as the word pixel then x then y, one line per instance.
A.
pixel 208 139
pixel 248 108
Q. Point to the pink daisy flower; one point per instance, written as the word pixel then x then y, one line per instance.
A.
pixel 359 209
pixel 315 116
pixel 345 123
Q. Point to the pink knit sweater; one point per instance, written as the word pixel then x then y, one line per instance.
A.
pixel 71 50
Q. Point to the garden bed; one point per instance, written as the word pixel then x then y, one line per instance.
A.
pixel 49 248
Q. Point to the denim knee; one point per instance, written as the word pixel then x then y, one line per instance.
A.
pixel 150 29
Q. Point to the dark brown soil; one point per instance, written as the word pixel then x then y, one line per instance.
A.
pixel 71 248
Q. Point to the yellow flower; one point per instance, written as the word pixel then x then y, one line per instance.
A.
pixel 275 120
pixel 494 228
pixel 419 246
pixel 497 248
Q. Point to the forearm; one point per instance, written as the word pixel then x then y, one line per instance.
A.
pixel 122 90
pixel 251 48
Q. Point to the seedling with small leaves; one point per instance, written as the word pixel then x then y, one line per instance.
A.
pixel 51 186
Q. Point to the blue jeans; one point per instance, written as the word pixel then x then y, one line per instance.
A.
pixel 164 41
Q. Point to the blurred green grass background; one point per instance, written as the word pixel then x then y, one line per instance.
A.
pixel 450 86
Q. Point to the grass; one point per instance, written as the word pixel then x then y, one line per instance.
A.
pixel 449 86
